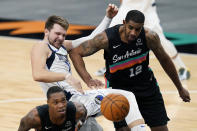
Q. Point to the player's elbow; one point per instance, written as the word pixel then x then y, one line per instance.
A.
pixel 37 77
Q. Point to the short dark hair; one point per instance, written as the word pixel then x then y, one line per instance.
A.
pixel 136 16
pixel 56 20
pixel 54 89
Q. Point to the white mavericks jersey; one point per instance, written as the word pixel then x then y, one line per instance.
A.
pixel 92 100
pixel 58 62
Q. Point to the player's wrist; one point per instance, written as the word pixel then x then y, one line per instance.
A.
pixel 107 18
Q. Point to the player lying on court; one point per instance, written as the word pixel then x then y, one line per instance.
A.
pixel 56 115
pixel 50 65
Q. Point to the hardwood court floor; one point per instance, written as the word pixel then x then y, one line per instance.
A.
pixel 19 93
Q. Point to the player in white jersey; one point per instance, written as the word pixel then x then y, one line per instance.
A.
pixel 50 65
pixel 92 100
pixel 148 7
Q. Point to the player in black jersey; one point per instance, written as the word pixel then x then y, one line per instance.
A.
pixel 126 52
pixel 56 115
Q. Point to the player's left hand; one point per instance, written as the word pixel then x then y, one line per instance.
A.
pixel 111 10
pixel 184 94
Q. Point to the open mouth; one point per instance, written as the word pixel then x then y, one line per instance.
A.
pixel 63 111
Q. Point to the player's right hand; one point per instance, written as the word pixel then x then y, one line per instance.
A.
pixel 94 83
pixel 75 83
pixel 111 10
pixel 184 94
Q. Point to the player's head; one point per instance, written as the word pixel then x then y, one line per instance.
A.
pixel 133 24
pixel 55 30
pixel 56 100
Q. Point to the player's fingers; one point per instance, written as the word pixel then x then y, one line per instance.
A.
pixel 116 8
pixel 99 84
pixel 110 5
pixel 186 98
pixel 113 6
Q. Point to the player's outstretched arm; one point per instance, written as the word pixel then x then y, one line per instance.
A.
pixel 31 120
pixel 87 48
pixel 154 44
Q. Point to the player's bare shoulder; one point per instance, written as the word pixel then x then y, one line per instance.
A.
pixel 40 45
pixel 34 118
pixel 99 42
pixel 152 38
pixel 40 48
pixel 31 120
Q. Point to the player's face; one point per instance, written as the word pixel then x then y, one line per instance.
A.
pixel 56 35
pixel 57 104
pixel 132 30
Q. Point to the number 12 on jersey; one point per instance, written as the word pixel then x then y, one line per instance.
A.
pixel 135 71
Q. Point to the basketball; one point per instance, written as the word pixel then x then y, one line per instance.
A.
pixel 115 107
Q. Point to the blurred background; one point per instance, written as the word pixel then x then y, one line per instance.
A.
pixel 178 16
pixel 25 19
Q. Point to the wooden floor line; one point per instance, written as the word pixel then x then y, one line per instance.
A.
pixel 40 99
pixel 22 100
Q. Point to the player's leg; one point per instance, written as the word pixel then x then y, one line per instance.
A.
pixel 139 127
pixel 134 120
pixel 153 110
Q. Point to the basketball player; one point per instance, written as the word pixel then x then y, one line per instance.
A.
pixel 148 7
pixel 56 115
pixel 50 65
pixel 126 52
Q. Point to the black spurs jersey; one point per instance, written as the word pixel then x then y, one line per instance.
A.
pixel 47 125
pixel 126 63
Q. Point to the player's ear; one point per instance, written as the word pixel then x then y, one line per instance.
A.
pixel 46 32
pixel 47 101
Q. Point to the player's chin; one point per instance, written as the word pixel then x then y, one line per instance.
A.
pixel 58 42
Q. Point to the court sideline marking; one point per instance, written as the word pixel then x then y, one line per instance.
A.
pixel 42 99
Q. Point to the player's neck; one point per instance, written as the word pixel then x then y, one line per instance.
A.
pixel 57 120
pixel 122 35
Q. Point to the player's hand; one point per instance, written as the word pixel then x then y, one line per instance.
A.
pixel 184 94
pixel 75 83
pixel 111 10
pixel 94 83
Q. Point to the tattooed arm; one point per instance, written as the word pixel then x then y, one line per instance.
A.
pixel 154 44
pixel 88 48
pixel 31 120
